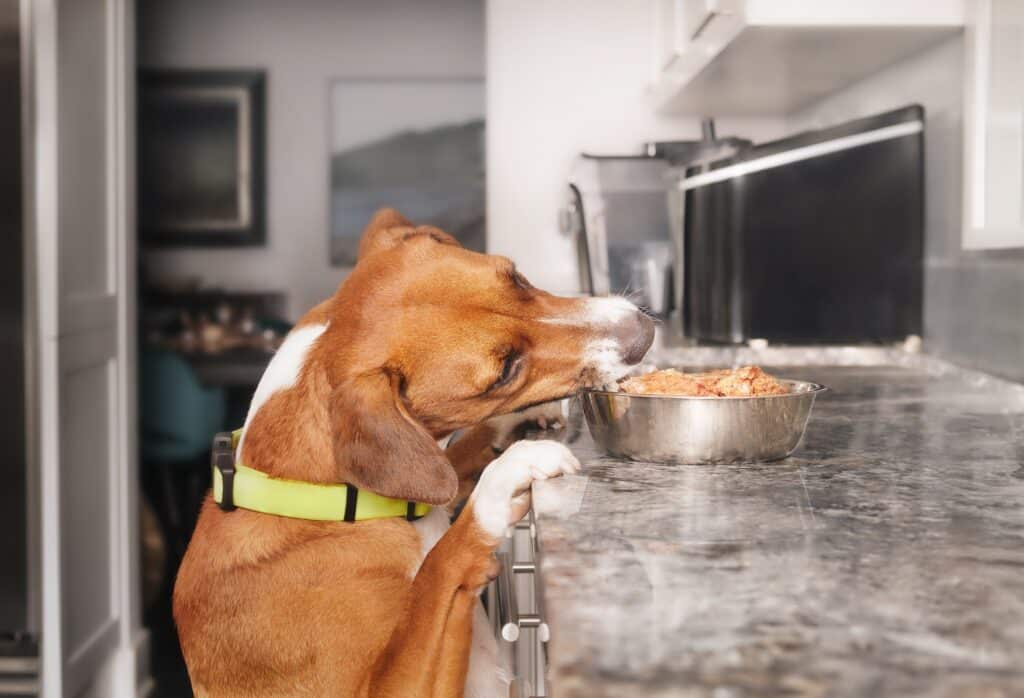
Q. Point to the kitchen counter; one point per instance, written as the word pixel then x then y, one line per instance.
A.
pixel 885 557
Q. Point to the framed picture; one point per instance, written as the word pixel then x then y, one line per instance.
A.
pixel 415 144
pixel 201 157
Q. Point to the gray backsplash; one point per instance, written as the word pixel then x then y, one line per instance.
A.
pixel 974 311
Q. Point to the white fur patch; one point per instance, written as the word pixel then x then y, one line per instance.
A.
pixel 283 370
pixel 609 310
pixel 604 357
pixel 602 311
pixel 505 483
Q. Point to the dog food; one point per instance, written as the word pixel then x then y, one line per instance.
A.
pixel 747 381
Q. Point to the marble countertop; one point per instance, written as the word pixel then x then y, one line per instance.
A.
pixel 886 557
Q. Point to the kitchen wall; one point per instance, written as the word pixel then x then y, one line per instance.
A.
pixel 562 77
pixel 974 301
pixel 301 45
pixel 565 77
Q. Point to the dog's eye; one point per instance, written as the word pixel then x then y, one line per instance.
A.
pixel 520 281
pixel 509 369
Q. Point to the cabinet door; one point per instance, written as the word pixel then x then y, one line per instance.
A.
pixel 994 121
pixel 678 24
pixel 81 72
pixel 696 14
pixel 688 35
pixel 668 33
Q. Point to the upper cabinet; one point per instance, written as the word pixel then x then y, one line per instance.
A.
pixel 772 57
pixel 994 126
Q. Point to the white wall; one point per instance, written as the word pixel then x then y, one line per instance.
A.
pixel 564 77
pixel 302 45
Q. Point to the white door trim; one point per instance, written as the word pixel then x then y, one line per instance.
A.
pixel 133 668
pixel 123 672
pixel 41 133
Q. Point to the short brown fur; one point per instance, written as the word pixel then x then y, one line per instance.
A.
pixel 417 339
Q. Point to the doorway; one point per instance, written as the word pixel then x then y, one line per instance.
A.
pixel 253 115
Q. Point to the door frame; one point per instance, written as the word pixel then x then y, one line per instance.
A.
pixel 126 673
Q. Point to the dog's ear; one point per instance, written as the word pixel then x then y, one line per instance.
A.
pixel 379 447
pixel 388 227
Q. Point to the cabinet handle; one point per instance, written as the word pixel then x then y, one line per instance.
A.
pixel 703 25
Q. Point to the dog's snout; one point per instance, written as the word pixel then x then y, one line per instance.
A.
pixel 634 335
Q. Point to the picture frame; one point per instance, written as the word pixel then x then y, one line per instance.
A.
pixel 412 143
pixel 201 157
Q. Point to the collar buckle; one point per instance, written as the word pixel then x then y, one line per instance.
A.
pixel 222 457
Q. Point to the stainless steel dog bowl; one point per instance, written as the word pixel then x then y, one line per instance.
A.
pixel 679 429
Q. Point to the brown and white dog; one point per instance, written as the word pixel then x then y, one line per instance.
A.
pixel 423 338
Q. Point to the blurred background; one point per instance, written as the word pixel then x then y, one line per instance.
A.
pixel 183 179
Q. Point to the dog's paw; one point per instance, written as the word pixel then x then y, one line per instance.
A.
pixel 502 496
pixel 511 427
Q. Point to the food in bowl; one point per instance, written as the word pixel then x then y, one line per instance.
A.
pixel 748 381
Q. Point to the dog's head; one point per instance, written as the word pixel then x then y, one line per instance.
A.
pixel 425 337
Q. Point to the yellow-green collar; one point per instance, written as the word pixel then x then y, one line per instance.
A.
pixel 251 489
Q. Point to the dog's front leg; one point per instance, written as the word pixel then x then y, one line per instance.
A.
pixel 428 652
pixel 481 444
pixel 470 454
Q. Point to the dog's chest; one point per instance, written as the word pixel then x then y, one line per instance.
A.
pixel 431 527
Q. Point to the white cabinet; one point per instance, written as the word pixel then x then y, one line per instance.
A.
pixel 679 25
pixel 771 57
pixel 994 127
pixel 687 33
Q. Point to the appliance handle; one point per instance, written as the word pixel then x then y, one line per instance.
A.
pixel 806 152
pixel 704 25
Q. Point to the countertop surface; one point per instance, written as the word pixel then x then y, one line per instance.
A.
pixel 886 557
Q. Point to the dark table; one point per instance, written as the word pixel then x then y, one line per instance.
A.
pixel 234 368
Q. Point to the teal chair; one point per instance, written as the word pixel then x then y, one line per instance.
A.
pixel 179 417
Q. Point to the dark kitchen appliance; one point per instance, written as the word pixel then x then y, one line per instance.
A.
pixel 813 238
pixel 622 226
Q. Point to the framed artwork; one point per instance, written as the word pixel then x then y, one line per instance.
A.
pixel 415 144
pixel 201 157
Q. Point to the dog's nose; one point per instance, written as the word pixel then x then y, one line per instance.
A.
pixel 635 336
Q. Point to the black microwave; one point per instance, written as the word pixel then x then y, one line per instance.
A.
pixel 816 238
